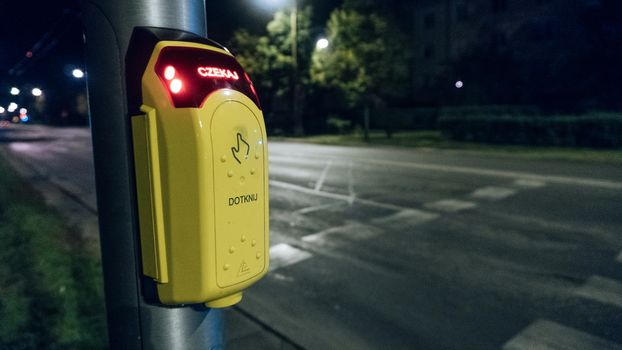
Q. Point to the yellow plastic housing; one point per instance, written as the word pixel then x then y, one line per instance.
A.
pixel 202 188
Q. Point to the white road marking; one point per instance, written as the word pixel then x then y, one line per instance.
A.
pixel 301 189
pixel 320 182
pixel 610 236
pixel 283 254
pixel 602 289
pixel 351 183
pixel 548 335
pixel 619 258
pixel 317 207
pixel 352 231
pixel 293 172
pixel 407 216
pixel 450 205
pixel 306 161
pixel 492 192
pixel 529 183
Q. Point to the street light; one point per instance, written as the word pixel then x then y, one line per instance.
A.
pixel 294 39
pixel 321 44
pixel 1 109
pixel 36 92
pixel 77 73
pixel 14 91
pixel 12 107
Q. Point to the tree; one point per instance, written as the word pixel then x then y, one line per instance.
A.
pixel 269 59
pixel 366 60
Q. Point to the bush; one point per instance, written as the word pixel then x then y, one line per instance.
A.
pixel 404 118
pixel 602 130
pixel 336 125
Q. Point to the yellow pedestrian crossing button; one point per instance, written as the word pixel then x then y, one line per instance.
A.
pixel 201 175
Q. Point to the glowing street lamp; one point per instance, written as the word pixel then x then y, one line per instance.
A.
pixel 321 44
pixel 14 91
pixel 36 92
pixel 298 130
pixel 2 110
pixel 78 73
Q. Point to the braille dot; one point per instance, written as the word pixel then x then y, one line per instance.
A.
pixel 230 173
pixel 243 239
pixel 258 255
pixel 254 243
pixel 252 171
pixel 256 155
pixel 226 267
pixel 232 249
pixel 223 159
pixel 242 179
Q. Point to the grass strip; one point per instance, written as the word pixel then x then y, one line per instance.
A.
pixel 51 288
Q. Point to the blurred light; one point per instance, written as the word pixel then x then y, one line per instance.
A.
pixel 15 119
pixel 321 44
pixel 29 54
pixel 274 2
pixel 24 118
pixel 169 73
pixel 14 91
pixel 23 111
pixel 77 73
pixel 459 84
pixel 36 92
pixel 12 107
pixel 2 110
pixel 176 86
pixel 270 5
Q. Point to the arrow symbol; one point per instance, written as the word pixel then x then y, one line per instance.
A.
pixel 236 150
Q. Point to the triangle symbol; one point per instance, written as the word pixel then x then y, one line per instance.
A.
pixel 243 268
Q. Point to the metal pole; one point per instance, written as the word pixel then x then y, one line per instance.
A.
pixel 296 112
pixel 132 322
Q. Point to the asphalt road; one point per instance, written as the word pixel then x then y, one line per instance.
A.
pixel 419 249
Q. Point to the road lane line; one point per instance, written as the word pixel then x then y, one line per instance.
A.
pixel 292 187
pixel 351 183
pixel 602 289
pixel 493 193
pixel 407 216
pixel 619 258
pixel 317 208
pixel 527 183
pixel 548 335
pixel 351 231
pixel 558 179
pixel 450 205
pixel 564 180
pixel 320 182
pixel 283 254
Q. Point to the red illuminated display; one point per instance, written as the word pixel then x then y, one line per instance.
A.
pixel 215 72
pixel 191 74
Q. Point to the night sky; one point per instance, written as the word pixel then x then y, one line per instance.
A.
pixel 26 22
